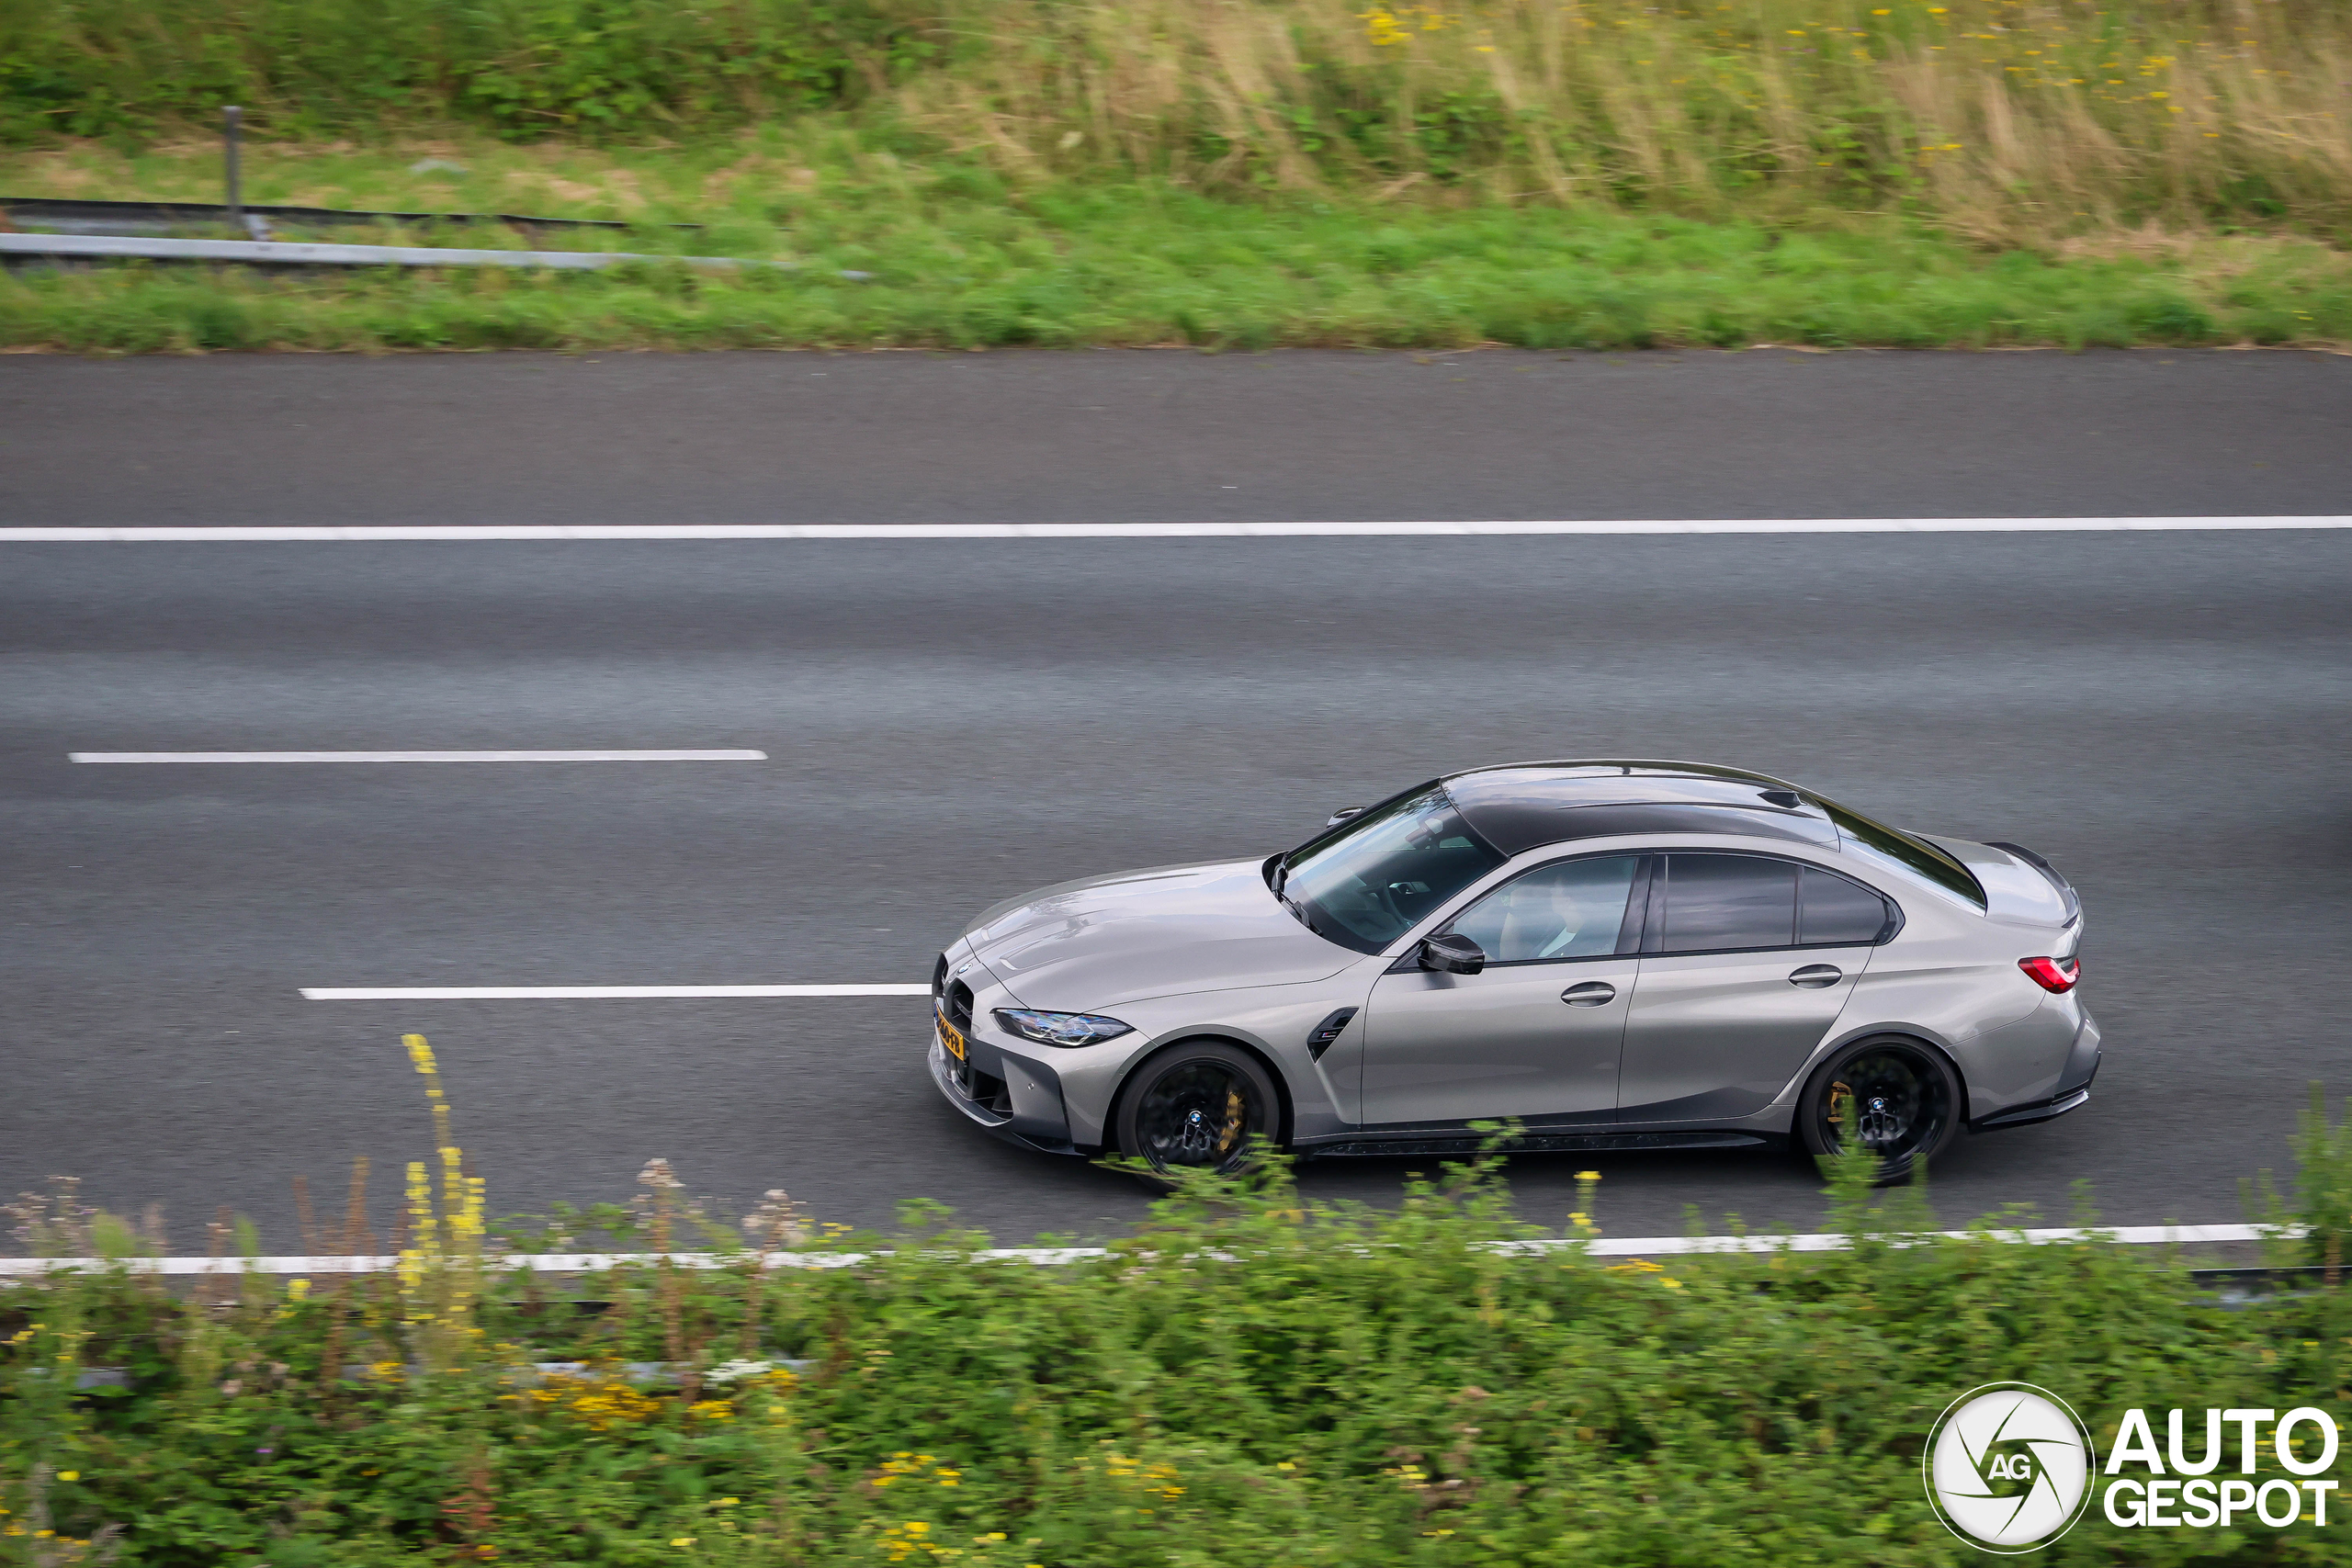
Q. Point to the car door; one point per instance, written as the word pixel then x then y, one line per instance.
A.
pixel 1537 1031
pixel 1748 962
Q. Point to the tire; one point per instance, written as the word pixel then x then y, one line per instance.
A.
pixel 1907 1104
pixel 1198 1105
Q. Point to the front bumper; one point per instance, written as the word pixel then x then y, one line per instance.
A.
pixel 1017 1100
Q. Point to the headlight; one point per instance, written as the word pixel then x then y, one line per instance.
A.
pixel 1059 1028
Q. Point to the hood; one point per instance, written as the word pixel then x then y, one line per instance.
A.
pixel 2018 885
pixel 1086 946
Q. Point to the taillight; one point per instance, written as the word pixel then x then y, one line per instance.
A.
pixel 2055 975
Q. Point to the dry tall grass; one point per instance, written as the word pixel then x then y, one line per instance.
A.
pixel 2011 120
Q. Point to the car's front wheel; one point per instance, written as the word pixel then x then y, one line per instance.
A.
pixel 1901 1098
pixel 1198 1105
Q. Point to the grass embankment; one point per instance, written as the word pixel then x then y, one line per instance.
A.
pixel 1239 172
pixel 962 257
pixel 1246 1382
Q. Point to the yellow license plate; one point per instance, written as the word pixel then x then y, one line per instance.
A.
pixel 951 1037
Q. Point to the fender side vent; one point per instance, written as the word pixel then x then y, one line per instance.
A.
pixel 1329 1029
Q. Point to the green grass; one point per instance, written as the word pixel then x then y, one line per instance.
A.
pixel 961 259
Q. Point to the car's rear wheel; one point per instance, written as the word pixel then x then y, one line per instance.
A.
pixel 1902 1096
pixel 1199 1105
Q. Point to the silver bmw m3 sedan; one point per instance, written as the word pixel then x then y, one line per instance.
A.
pixel 1611 955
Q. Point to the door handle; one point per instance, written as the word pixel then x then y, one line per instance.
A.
pixel 1592 994
pixel 1813 976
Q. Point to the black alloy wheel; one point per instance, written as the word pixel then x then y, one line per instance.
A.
pixel 1200 1105
pixel 1902 1096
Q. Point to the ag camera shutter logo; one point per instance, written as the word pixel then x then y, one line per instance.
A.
pixel 2008 1467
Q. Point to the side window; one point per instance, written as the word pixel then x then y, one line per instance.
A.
pixel 1835 911
pixel 1569 910
pixel 1728 901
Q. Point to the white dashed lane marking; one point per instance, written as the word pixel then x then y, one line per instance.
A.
pixel 588 993
pixel 416 756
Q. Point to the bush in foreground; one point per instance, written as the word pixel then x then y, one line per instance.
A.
pixel 1245 1382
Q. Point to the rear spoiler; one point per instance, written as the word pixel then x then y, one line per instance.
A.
pixel 2018 885
pixel 2065 888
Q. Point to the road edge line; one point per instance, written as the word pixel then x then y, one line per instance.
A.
pixel 1048 1257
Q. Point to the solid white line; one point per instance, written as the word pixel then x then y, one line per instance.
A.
pixel 1633 1246
pixel 2138 1235
pixel 587 993
pixel 458 532
pixel 416 756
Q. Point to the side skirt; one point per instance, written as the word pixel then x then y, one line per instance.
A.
pixel 1533 1143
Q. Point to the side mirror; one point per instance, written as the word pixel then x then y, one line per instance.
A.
pixel 1451 953
pixel 1346 814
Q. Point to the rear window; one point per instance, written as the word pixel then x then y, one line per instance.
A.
pixel 1834 911
pixel 1889 846
pixel 1716 903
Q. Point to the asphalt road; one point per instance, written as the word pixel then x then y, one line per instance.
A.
pixel 1156 436
pixel 2161 714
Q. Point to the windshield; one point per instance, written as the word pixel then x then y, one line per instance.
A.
pixel 1373 881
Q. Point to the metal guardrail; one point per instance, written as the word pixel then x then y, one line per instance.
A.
pixel 282 253
pixel 60 215
pixel 155 217
pixel 286 252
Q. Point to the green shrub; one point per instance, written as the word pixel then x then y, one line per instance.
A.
pixel 528 67
pixel 1244 1383
pixel 2315 1229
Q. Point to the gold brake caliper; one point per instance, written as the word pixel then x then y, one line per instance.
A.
pixel 1233 1109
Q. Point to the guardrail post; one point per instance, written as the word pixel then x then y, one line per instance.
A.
pixel 232 117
